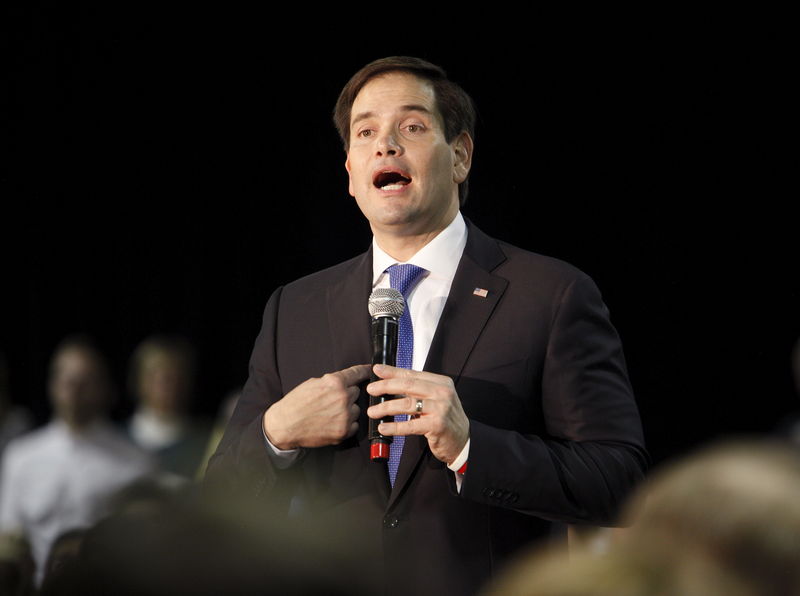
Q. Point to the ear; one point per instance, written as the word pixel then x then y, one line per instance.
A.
pixel 349 176
pixel 462 156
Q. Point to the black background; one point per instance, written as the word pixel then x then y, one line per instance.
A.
pixel 168 168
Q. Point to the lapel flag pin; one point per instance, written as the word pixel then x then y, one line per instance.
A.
pixel 480 292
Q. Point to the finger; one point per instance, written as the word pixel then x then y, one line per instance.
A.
pixel 355 374
pixel 384 371
pixel 354 412
pixel 352 394
pixel 415 426
pixel 413 386
pixel 392 407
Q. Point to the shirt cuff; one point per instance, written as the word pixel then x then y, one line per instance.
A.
pixel 462 458
pixel 281 458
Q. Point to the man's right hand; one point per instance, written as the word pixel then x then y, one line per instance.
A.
pixel 318 412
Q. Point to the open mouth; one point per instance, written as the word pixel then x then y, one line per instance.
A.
pixel 390 180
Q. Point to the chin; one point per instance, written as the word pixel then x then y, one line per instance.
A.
pixel 394 217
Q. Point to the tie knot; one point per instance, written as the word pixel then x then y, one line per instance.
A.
pixel 403 277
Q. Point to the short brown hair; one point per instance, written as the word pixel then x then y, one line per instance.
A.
pixel 454 104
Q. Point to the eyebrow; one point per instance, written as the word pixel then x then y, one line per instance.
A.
pixel 406 108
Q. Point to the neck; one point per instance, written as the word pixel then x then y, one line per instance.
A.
pixel 404 244
pixel 161 414
pixel 78 426
pixel 404 247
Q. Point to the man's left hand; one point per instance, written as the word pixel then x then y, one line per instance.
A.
pixel 440 418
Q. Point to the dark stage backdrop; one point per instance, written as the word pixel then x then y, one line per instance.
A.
pixel 169 170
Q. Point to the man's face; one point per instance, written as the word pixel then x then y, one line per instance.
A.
pixel 403 173
pixel 163 383
pixel 77 387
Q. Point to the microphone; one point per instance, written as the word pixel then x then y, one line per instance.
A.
pixel 386 306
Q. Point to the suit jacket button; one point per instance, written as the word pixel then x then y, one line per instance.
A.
pixel 390 521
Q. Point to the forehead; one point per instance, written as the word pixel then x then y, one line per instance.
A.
pixel 392 92
pixel 161 360
pixel 74 360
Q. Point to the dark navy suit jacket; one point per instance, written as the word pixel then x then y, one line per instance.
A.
pixel 555 432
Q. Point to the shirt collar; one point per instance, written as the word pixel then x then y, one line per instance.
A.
pixel 440 256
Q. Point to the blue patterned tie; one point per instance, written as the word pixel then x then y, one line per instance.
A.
pixel 402 278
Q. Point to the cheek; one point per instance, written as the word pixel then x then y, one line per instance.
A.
pixel 358 182
pixel 442 167
pixel 358 175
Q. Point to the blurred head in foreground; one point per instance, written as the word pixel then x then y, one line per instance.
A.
pixel 210 547
pixel 736 504
pixel 724 521
pixel 619 572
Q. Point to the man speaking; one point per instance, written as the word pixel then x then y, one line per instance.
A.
pixel 514 407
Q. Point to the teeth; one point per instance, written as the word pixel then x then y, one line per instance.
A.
pixel 392 187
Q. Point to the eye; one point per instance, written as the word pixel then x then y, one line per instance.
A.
pixel 415 128
pixel 365 133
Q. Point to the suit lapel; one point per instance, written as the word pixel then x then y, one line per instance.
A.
pixel 464 316
pixel 349 322
pixel 348 316
pixel 473 297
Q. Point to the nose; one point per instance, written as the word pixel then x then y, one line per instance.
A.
pixel 388 144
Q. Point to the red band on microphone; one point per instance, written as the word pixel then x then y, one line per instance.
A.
pixel 379 451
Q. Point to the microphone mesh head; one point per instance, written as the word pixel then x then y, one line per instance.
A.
pixel 386 302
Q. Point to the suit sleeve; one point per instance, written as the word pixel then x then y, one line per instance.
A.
pixel 242 462
pixel 592 453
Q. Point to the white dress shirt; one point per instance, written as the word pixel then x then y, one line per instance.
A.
pixel 54 480
pixel 152 432
pixel 426 300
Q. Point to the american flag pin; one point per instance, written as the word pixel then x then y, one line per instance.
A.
pixel 480 292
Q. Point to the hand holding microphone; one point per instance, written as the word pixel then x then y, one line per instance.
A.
pixel 386 306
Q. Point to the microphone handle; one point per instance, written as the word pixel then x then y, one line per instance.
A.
pixel 384 351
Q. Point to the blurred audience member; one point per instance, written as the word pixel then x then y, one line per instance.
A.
pixel 62 556
pixel 223 416
pixel 197 548
pixel 16 566
pixel 724 521
pixel 618 572
pixel 14 420
pixel 60 477
pixel 737 504
pixel 143 497
pixel 161 379
pixel 148 494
